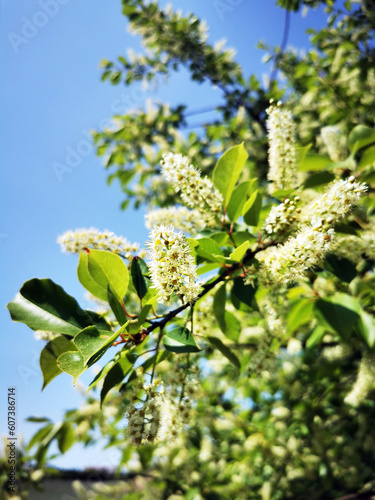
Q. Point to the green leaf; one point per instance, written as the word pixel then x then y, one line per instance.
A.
pixel 116 373
pixel 85 278
pixel 208 249
pixel 238 199
pixel 98 269
pixel 251 209
pixel 360 137
pixel 219 306
pixel 240 251
pixel 73 363
pixel 39 436
pixel 228 169
pixel 117 307
pixel 316 337
pixel 49 355
pixel 44 305
pixel 138 268
pixel 314 162
pixel 225 351
pixel 65 437
pixel 366 328
pixel 177 347
pixel 339 311
pixel 300 314
pixel 244 293
pixel 367 158
pixel 38 419
pixel 181 337
pixel 318 179
pixel 341 267
pixel 232 326
pixel 148 363
pixel 91 341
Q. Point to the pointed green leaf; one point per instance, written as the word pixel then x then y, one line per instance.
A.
pixel 44 305
pixel 251 209
pixel 65 437
pixel 182 335
pixel 177 347
pixel 238 199
pixel 208 248
pixel 49 355
pixel 244 293
pixel 367 158
pixel 314 162
pixel 92 342
pixel 99 269
pixel 73 363
pixel 339 313
pixel 138 268
pixel 360 137
pixel 117 307
pixel 240 251
pixel 228 170
pixel 225 351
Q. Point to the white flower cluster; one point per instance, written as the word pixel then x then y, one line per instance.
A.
pixel 365 380
pixel 204 319
pixel 196 192
pixel 337 202
pixel 336 353
pixel 144 420
pixel 47 336
pixel 172 266
pixel 78 240
pixel 281 153
pixel 355 247
pixel 288 262
pixel 335 142
pixel 282 216
pixel 188 221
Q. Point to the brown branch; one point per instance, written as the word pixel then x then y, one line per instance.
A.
pixel 206 288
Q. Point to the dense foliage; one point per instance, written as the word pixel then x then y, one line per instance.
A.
pixel 243 335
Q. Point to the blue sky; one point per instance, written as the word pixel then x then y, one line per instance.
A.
pixel 52 97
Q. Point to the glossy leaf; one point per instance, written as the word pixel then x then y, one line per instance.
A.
pixel 138 267
pixel 238 199
pixel 228 169
pixel 73 363
pixel 208 249
pixel 240 251
pixel 107 268
pixel 49 355
pixel 244 293
pixel 91 341
pixel 360 137
pixel 300 314
pixel 43 305
pixel 65 437
pixel 225 351
pixel 251 209
pixel 318 179
pixel 117 306
pixel 339 312
pixel 314 162
pixel 177 338
pixel 367 158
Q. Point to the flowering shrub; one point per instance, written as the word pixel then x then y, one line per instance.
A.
pixel 243 336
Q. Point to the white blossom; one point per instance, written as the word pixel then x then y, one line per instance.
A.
pixel 282 217
pixel 288 262
pixel 188 221
pixel 78 240
pixel 172 266
pixel 335 142
pixel 281 153
pixel 365 380
pixel 43 335
pixel 196 192
pixel 337 201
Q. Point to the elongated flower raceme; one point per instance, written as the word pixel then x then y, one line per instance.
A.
pixel 78 240
pixel 172 266
pixel 188 221
pixel 196 192
pixel 337 202
pixel 365 380
pixel 335 141
pixel 281 153
pixel 290 261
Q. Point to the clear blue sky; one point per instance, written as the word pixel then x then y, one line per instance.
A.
pixel 52 97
